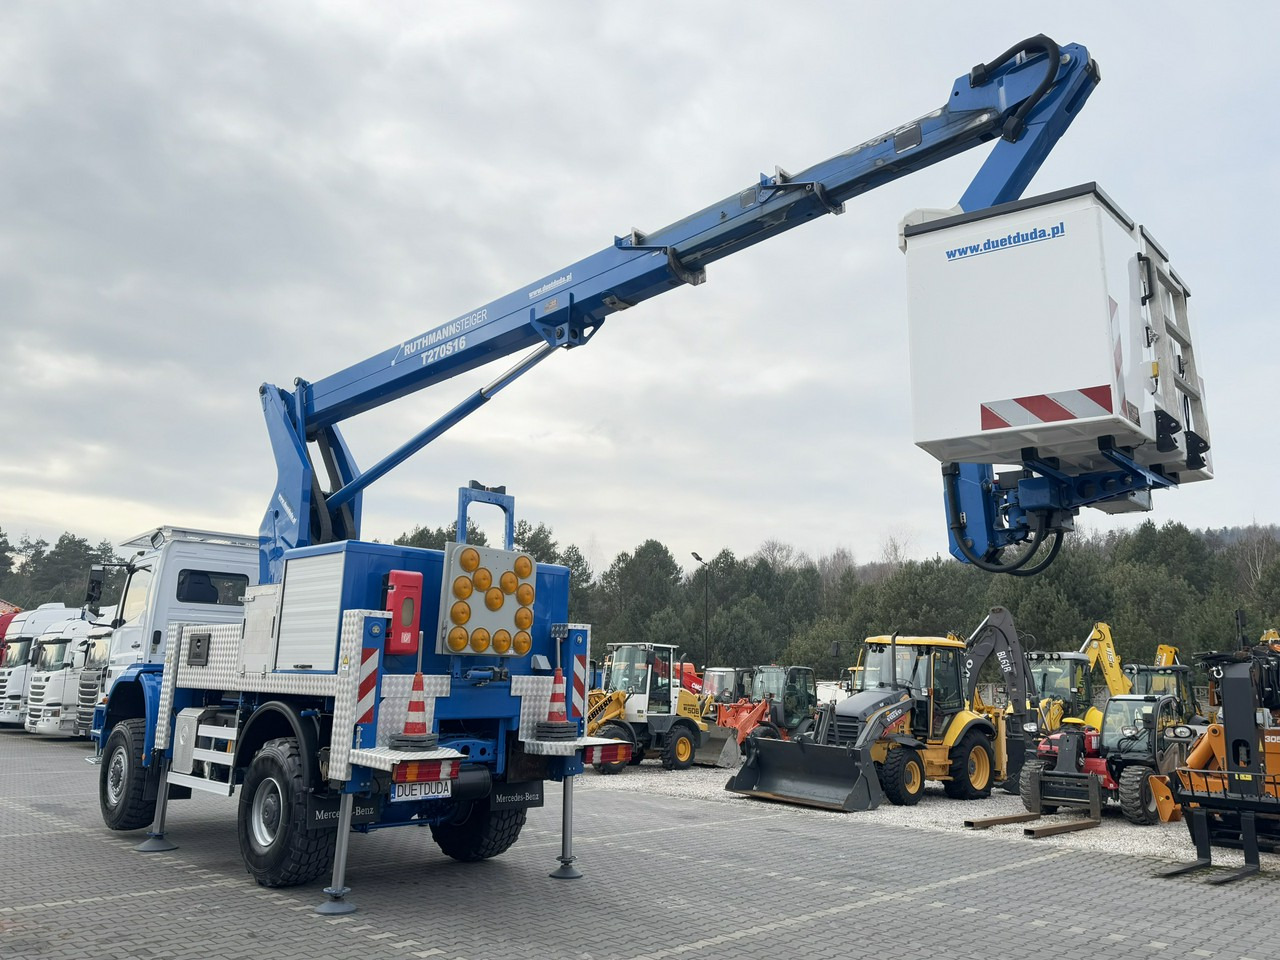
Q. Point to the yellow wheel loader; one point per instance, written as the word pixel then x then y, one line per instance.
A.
pixel 646 701
pixel 913 716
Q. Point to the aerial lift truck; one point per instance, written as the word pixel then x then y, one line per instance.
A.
pixel 324 705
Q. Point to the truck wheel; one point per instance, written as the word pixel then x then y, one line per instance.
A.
pixel 1025 791
pixel 972 763
pixel 765 731
pixel 481 833
pixel 275 844
pixel 616 731
pixel 1137 802
pixel 680 746
pixel 902 777
pixel 126 789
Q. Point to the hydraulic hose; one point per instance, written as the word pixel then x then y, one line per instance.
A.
pixel 1043 564
pixel 979 75
pixel 957 526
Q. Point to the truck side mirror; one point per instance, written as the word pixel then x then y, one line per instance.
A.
pixel 93 589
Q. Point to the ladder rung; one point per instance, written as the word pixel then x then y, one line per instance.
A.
pixel 221 757
pixel 199 783
pixel 216 732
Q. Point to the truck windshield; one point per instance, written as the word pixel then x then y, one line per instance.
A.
pixel 96 654
pixel 17 653
pixel 628 670
pixel 877 668
pixel 134 601
pixel 53 653
pixel 768 682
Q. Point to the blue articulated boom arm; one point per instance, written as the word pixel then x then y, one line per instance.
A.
pixel 1023 102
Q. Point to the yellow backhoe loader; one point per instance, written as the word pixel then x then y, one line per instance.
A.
pixel 913 716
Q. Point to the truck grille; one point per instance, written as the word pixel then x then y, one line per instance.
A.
pixel 4 683
pixel 35 698
pixel 90 685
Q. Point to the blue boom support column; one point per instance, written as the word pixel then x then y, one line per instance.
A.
pixel 1024 100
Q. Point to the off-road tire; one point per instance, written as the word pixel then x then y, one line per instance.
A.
pixel 763 731
pixel 902 777
pixel 680 747
pixel 126 789
pixel 275 844
pixel 478 833
pixel 1137 802
pixel 616 731
pixel 972 755
pixel 1024 789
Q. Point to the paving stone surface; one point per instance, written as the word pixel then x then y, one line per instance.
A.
pixel 665 877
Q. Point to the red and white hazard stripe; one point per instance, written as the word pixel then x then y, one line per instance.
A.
pixel 1047 408
pixel 366 695
pixel 579 706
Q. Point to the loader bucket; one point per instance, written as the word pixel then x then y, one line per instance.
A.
pixel 719 748
pixel 809 774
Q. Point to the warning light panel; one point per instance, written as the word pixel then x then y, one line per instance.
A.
pixel 486 602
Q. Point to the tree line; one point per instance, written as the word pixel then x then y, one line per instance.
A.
pixel 1153 584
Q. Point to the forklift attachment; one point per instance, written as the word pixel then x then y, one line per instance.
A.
pixel 809 774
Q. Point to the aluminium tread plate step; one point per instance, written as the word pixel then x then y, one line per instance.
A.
pixel 200 783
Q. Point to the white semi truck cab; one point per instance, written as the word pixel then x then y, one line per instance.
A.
pixel 55 678
pixel 21 646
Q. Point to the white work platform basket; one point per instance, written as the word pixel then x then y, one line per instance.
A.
pixel 1051 323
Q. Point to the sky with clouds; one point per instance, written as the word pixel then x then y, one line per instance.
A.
pixel 201 197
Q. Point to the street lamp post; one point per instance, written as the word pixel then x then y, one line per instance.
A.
pixel 706 612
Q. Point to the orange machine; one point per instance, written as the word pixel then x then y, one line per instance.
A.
pixel 1229 789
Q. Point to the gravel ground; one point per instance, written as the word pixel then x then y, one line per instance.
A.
pixel 1167 842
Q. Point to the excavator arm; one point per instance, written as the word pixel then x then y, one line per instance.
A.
pixel 1022 102
pixel 997 638
pixel 1101 650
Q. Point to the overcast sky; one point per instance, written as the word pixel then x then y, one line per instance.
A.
pixel 198 198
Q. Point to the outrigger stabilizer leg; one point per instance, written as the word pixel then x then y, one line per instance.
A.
pixel 337 890
pixel 156 841
pixel 566 870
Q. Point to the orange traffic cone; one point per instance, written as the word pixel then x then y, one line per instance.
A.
pixel 415 735
pixel 557 725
